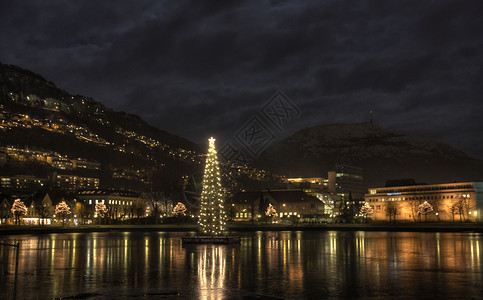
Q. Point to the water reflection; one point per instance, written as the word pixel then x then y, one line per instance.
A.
pixel 275 264
pixel 211 271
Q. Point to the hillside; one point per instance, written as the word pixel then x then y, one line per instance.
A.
pixel 36 115
pixel 383 155
pixel 44 129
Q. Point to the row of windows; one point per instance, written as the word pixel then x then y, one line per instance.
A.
pixel 114 202
pixel 422 188
pixel 289 214
pixel 421 198
pixel 243 215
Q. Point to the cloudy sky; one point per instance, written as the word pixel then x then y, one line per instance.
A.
pixel 197 68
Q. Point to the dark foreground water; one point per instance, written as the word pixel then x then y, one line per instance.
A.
pixel 286 265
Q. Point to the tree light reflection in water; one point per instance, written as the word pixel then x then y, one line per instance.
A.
pixel 275 264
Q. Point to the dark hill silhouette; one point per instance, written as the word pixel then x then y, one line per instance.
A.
pixel 383 155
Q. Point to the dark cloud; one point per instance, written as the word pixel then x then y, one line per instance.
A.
pixel 196 68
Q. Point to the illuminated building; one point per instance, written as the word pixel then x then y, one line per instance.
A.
pixel 347 181
pixel 60 162
pixel 246 206
pixel 67 182
pixel 317 187
pixel 461 201
pixel 5 205
pixel 81 163
pixel 22 182
pixel 121 204
pixel 306 182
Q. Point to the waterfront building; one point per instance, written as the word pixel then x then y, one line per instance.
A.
pixel 120 204
pixel 459 201
pixel 5 206
pixel 317 187
pixel 40 211
pixel 248 206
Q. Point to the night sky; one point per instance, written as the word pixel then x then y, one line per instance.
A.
pixel 203 68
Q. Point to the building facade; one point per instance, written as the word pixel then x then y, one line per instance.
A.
pixel 68 182
pixel 120 204
pixel 248 206
pixel 347 181
pixel 462 201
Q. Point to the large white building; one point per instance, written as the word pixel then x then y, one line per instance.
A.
pixel 461 201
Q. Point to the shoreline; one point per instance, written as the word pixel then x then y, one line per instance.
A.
pixel 402 227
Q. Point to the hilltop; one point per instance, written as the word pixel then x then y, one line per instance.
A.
pixel 383 154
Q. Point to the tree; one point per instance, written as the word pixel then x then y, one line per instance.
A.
pixel 414 205
pixel 270 211
pixel 460 209
pixel 436 204
pixel 424 209
pixel 101 210
pixel 18 209
pixel 347 209
pixel 154 200
pixel 453 210
pixel 179 210
pixel 212 218
pixel 392 211
pixel 366 210
pixel 62 209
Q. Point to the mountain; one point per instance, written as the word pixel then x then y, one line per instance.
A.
pixel 38 117
pixel 383 155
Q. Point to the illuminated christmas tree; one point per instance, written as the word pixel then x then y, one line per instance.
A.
pixel 18 209
pixel 62 209
pixel 179 209
pixel 101 209
pixel 425 208
pixel 366 210
pixel 270 212
pixel 212 212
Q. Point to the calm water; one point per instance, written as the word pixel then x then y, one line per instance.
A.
pixel 286 265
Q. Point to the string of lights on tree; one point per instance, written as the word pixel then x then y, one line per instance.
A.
pixel 101 209
pixel 366 210
pixel 62 209
pixel 179 209
pixel 425 208
pixel 270 212
pixel 212 212
pixel 18 209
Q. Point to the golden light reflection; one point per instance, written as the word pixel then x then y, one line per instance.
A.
pixel 277 264
pixel 211 272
